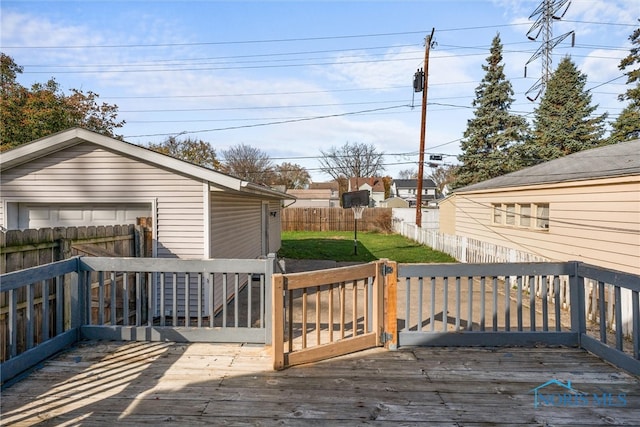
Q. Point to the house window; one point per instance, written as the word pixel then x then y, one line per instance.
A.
pixel 510 214
pixel 497 214
pixel 542 216
pixel 525 215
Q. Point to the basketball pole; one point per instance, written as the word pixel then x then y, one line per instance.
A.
pixel 355 232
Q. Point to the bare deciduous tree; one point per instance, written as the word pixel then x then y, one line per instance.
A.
pixel 352 160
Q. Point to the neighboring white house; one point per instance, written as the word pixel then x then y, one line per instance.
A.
pixel 77 177
pixel 407 189
pixel 584 207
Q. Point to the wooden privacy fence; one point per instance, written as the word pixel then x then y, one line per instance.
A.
pixel 23 249
pixel 335 219
pixel 20 249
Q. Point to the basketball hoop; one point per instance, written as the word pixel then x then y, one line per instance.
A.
pixel 357 211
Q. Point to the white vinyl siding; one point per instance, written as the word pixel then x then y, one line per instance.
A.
pixel 236 223
pixel 87 174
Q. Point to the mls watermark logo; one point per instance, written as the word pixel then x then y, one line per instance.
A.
pixel 557 393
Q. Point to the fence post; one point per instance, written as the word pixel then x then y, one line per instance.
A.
pixel 391 305
pixel 577 300
pixel 277 325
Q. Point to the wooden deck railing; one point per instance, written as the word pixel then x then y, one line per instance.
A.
pixel 142 299
pixel 519 304
pixel 47 308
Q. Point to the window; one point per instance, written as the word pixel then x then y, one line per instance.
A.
pixel 542 216
pixel 497 214
pixel 510 214
pixel 525 215
pixel 533 216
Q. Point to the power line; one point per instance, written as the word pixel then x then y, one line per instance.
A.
pixel 270 123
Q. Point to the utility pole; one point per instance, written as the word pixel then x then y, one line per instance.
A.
pixel 420 83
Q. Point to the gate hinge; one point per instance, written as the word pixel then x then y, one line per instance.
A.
pixel 385 337
pixel 387 269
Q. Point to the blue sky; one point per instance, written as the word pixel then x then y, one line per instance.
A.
pixel 296 77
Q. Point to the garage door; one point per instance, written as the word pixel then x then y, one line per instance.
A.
pixel 76 215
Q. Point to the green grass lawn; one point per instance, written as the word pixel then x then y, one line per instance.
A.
pixel 339 246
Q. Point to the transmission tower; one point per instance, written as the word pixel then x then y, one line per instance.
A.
pixel 544 15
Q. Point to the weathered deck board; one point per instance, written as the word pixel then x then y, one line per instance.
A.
pixel 103 383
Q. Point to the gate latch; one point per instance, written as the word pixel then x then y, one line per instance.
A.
pixel 387 269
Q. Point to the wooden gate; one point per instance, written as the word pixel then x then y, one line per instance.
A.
pixel 327 313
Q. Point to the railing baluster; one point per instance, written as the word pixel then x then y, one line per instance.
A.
pixel 150 305
pixel 507 303
pixel 224 299
pixel 618 308
pixel 635 315
pixel 163 318
pixel 545 304
pixel 331 312
pixel 367 307
pixel 420 292
pixel 45 311
pixel 187 299
pixel 407 305
pixel 29 316
pixel 483 307
pixel 433 304
pixel 470 307
pixel 494 315
pixel 138 300
pixel 354 320
pixel 210 301
pixel 236 289
pixel 603 315
pixel 200 305
pixel 125 298
pixel 317 315
pixel 114 298
pixel 59 284
pixel 519 296
pixel 249 298
pixel 556 290
pixel 445 305
pixel 289 312
pixel 101 298
pixel 532 302
pixel 304 318
pixel 342 309
pixel 458 295
pixel 174 302
pixel 13 322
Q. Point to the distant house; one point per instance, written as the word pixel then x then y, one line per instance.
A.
pixel 306 198
pixel 394 202
pixel 374 185
pixel 78 177
pixel 407 189
pixel 584 206
pixel 333 187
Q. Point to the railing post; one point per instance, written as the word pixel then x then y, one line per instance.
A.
pixel 577 301
pixel 277 326
pixel 270 268
pixel 391 305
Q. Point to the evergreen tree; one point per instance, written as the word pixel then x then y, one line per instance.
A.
pixel 627 125
pixel 564 121
pixel 493 130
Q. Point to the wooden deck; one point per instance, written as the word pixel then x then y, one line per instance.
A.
pixel 135 383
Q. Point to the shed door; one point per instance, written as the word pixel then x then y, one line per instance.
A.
pixel 32 215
